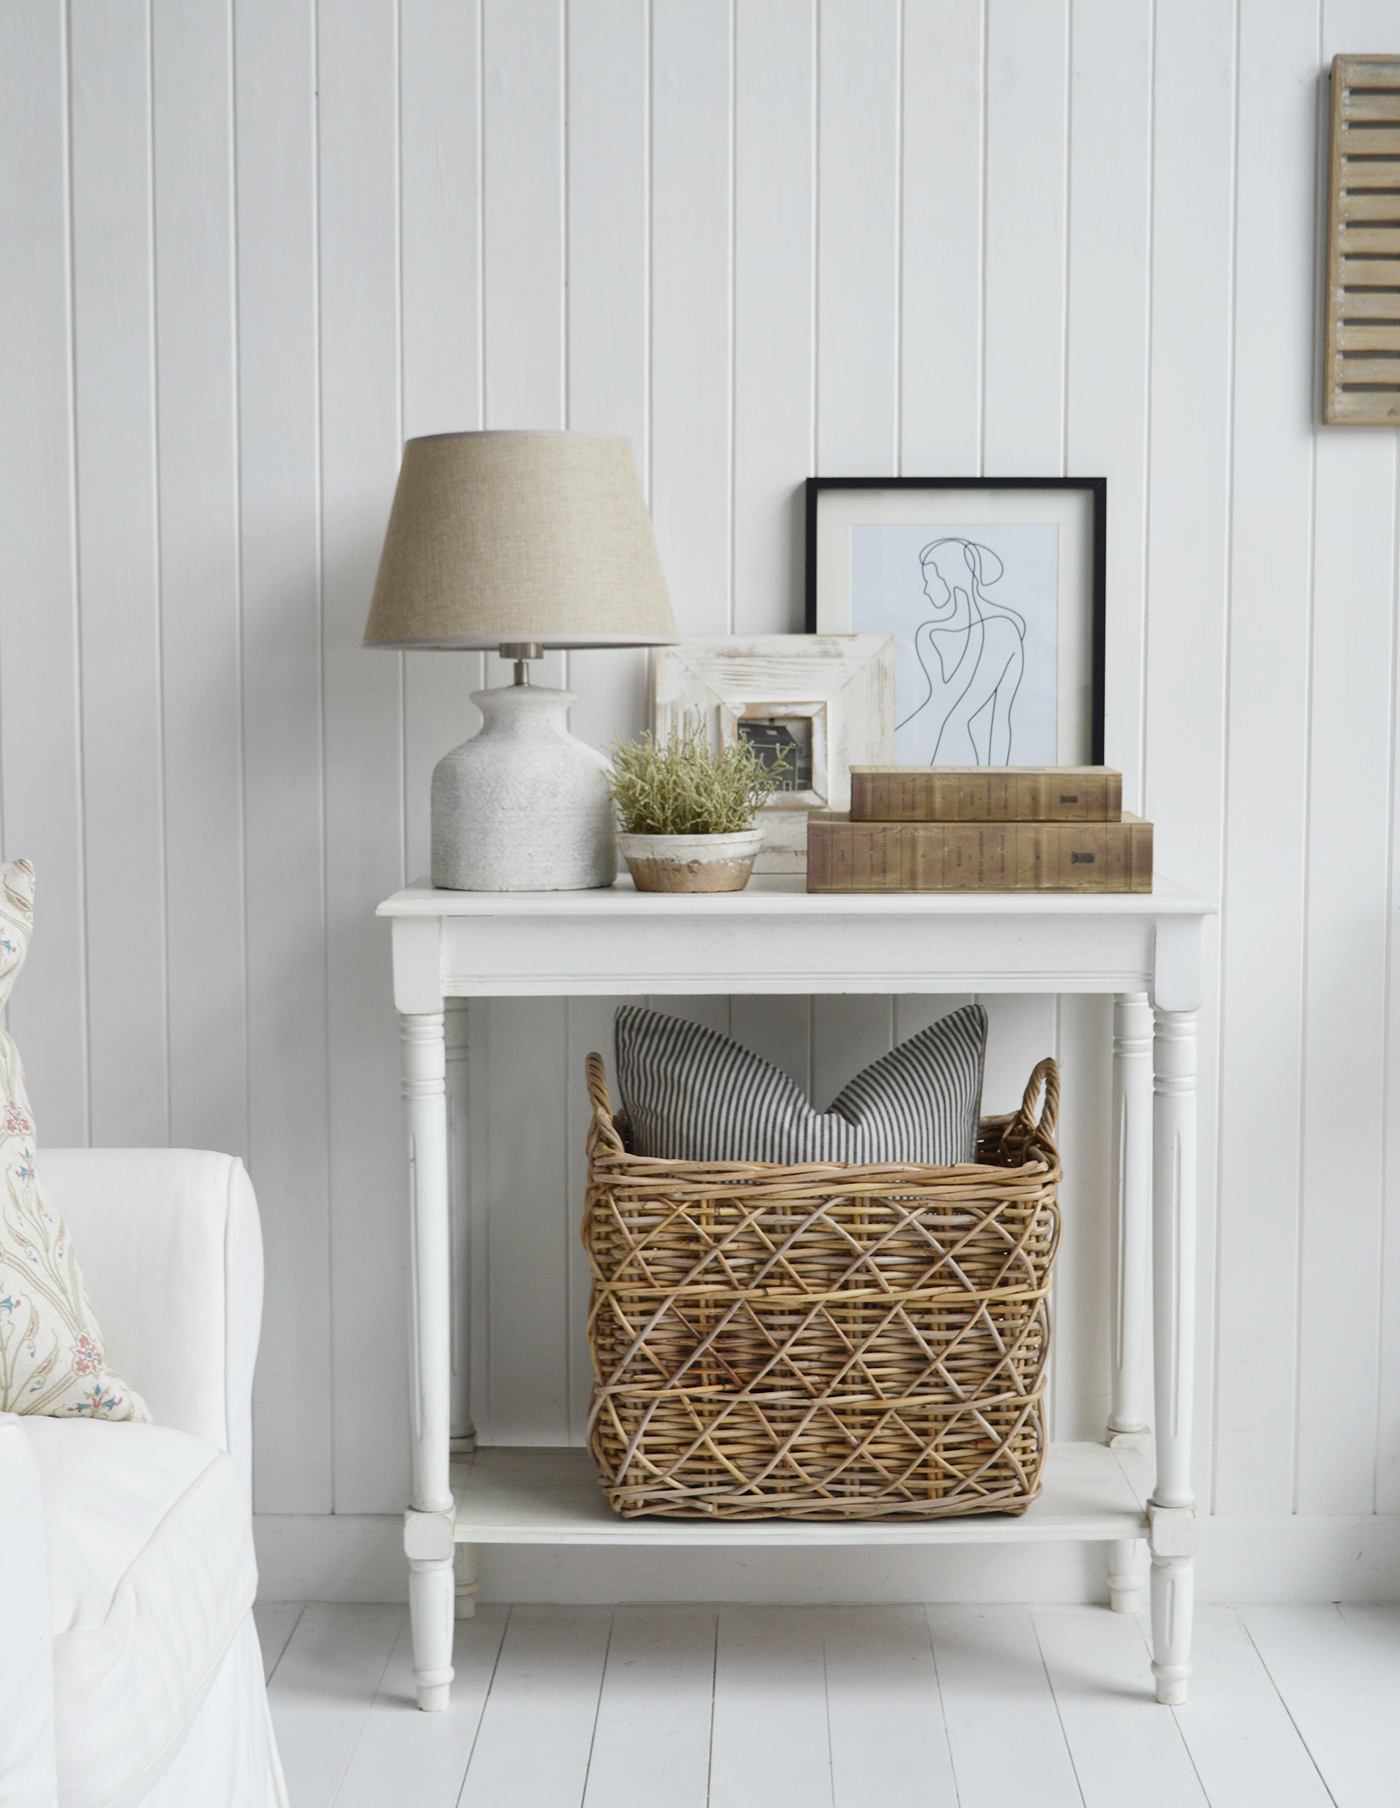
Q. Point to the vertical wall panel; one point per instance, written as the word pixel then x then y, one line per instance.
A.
pixel 1350 22
pixel 527 1252
pixel 608 226
pixel 41 793
pixel 779 1029
pixel 1027 134
pixel 1188 523
pixel 1348 872
pixel 523 234
pixel 440 325
pixel 282 750
pixel 1353 652
pixel 440 226
pixel 1106 328
pixel 607 117
pixel 774 292
pixel 1108 301
pixel 523 178
pixel 201 700
pixel 1347 897
pixel 525 385
pixel 119 624
pixel 691 277
pixel 1024 350
pixel 1347 879
pixel 857 391
pixel 849 1031
pixel 915 1011
pixel 439 202
pixel 1266 793
pixel 590 1030
pixel 940 348
pixel 1082 1324
pixel 357 57
pixel 858 96
pixel 1021 1030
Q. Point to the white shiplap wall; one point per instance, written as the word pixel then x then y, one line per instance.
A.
pixel 249 246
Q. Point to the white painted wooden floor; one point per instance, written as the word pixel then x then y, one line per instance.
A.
pixel 857 1707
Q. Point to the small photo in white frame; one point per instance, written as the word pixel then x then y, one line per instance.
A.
pixel 825 700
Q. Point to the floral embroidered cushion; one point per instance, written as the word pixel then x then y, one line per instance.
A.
pixel 51 1357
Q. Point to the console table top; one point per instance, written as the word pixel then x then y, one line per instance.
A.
pixel 786 896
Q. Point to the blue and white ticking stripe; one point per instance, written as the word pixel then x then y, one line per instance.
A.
pixel 691 1095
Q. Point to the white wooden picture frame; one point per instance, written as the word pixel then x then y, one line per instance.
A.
pixel 842 684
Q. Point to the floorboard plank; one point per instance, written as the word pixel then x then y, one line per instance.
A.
pixel 1003 1729
pixel 1245 1748
pixel 407 1756
pixel 771 1747
pixel 537 1731
pixel 276 1622
pixel 889 1747
pixel 652 1741
pixel 1107 1705
pixel 322 1691
pixel 1338 1700
pixel 1376 1626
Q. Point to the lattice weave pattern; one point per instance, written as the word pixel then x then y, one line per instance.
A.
pixel 827 1341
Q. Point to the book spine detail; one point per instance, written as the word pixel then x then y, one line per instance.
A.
pixel 843 855
pixel 954 794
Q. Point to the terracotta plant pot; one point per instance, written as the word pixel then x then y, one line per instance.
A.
pixel 691 862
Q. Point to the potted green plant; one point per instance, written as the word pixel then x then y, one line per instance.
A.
pixel 687 812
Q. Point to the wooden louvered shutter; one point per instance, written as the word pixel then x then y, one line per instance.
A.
pixel 1361 378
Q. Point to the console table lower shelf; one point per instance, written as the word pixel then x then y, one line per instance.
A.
pixel 1093 1493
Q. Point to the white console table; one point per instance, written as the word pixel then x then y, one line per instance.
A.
pixel 771 938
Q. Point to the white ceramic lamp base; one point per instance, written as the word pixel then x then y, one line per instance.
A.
pixel 523 806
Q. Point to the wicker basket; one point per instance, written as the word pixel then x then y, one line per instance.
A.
pixel 828 1341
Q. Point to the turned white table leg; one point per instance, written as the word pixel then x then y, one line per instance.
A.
pixel 428 1524
pixel 1172 1509
pixel 1130 1233
pixel 456 1028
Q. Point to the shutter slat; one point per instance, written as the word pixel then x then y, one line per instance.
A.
pixel 1361 239
pixel 1362 173
pixel 1367 273
pixel 1354 207
pixel 1365 109
pixel 1369 304
pixel 1365 142
pixel 1368 338
pixel 1348 372
pixel 1366 408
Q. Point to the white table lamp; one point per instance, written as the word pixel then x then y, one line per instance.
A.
pixel 520 542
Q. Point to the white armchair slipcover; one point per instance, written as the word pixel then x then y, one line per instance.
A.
pixel 129 1664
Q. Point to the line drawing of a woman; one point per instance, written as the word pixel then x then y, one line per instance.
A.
pixel 973 655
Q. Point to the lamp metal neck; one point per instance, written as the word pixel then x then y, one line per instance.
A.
pixel 522 652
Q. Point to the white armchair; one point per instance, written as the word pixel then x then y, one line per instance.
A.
pixel 129 1664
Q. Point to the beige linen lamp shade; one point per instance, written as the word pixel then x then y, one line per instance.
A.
pixel 519 537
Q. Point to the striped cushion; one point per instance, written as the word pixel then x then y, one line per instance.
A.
pixel 691 1095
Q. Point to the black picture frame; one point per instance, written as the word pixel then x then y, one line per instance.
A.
pixel 1094 488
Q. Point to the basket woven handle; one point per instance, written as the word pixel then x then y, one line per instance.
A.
pixel 603 1127
pixel 1045 1074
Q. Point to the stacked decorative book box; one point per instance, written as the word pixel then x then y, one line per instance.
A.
pixel 979 828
